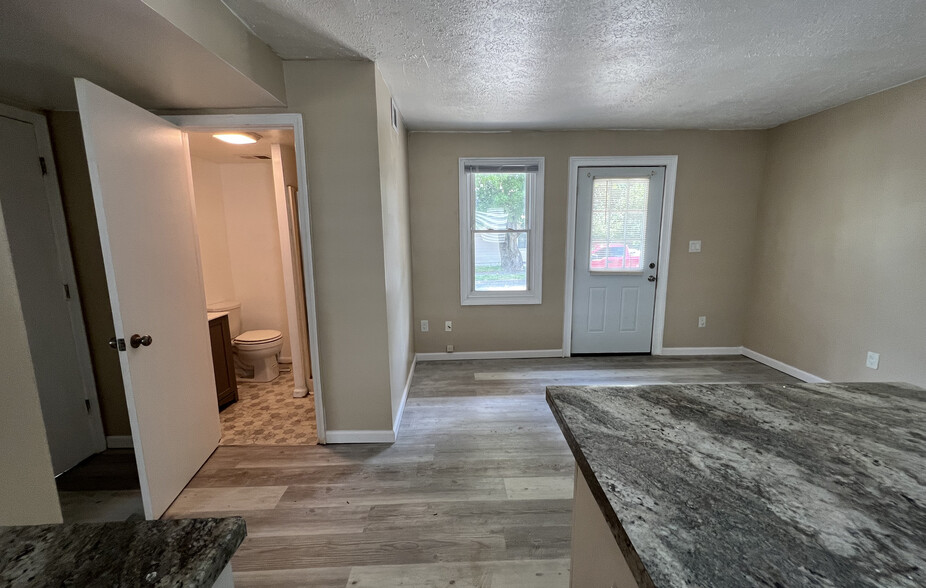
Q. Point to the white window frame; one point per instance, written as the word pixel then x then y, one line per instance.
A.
pixel 534 217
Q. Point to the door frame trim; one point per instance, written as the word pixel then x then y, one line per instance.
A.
pixel 670 162
pixel 66 264
pixel 213 122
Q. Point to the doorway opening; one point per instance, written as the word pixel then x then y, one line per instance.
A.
pixel 247 216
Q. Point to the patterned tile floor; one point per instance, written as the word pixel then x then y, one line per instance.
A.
pixel 267 414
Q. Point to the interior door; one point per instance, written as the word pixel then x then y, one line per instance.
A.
pixel 618 215
pixel 72 430
pixel 140 174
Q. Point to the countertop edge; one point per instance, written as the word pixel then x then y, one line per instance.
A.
pixel 620 536
pixel 228 551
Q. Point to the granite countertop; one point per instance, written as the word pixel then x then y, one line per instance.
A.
pixel 183 552
pixel 757 484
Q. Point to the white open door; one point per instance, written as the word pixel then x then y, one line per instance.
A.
pixel 140 174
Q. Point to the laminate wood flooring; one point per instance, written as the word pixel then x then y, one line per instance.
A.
pixel 476 492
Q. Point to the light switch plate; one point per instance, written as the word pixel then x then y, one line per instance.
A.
pixel 702 321
pixel 873 360
pixel 448 326
pixel 694 247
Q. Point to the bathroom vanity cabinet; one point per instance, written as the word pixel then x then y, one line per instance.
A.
pixel 223 361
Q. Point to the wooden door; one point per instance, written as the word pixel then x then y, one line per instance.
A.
pixel 140 174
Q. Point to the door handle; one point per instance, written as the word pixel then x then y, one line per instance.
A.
pixel 648 279
pixel 137 340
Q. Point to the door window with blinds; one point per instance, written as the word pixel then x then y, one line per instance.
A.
pixel 618 224
pixel 501 230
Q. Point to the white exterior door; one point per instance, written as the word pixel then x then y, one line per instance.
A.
pixel 64 384
pixel 140 174
pixel 618 215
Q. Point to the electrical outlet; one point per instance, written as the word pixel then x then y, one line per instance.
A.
pixel 424 326
pixel 702 322
pixel 694 247
pixel 448 326
pixel 450 349
pixel 873 360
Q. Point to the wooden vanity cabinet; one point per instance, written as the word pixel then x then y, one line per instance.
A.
pixel 223 361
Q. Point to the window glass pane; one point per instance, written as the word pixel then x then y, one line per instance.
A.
pixel 500 260
pixel 501 201
pixel 618 230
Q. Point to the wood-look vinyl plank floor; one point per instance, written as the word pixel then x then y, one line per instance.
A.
pixel 476 491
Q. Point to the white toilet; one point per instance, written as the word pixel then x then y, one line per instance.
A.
pixel 255 350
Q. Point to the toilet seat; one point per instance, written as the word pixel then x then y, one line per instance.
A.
pixel 258 337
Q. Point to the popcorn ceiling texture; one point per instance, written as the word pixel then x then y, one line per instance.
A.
pixel 555 64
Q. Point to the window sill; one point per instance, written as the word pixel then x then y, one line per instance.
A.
pixel 500 298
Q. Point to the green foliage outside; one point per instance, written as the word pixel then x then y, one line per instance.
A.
pixel 504 191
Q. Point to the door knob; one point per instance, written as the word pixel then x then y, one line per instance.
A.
pixel 649 279
pixel 137 340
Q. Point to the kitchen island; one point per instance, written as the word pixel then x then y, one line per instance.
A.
pixel 747 484
pixel 183 552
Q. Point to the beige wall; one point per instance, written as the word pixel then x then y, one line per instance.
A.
pixel 76 194
pixel 27 483
pixel 393 173
pixel 239 240
pixel 213 233
pixel 337 100
pixel 841 246
pixel 717 190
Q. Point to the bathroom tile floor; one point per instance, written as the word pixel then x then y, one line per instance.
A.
pixel 267 414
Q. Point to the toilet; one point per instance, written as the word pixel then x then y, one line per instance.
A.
pixel 256 350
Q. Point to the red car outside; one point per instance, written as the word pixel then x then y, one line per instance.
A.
pixel 613 257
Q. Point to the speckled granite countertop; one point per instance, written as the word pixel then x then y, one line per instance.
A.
pixel 185 552
pixel 757 484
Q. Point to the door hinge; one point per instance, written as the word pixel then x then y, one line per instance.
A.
pixel 67 292
pixel 87 403
pixel 44 166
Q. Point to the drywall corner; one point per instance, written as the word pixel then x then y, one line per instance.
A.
pixel 28 495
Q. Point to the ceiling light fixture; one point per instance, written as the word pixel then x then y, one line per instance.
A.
pixel 238 138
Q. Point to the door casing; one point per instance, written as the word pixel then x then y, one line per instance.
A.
pixel 670 162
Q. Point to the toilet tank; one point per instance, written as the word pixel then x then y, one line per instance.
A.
pixel 233 308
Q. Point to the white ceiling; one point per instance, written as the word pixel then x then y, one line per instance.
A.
pixel 507 64
pixel 204 145
pixel 122 45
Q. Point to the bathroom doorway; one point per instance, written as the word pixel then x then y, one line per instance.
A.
pixel 246 194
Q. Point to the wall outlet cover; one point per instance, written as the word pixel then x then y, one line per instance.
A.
pixel 424 326
pixel 450 349
pixel 873 360
pixel 694 247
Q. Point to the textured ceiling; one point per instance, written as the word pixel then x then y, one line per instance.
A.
pixel 506 64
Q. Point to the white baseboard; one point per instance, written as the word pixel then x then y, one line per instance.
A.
pixel 783 367
pixel 365 436
pixel 397 421
pixel 464 355
pixel 119 442
pixel 701 351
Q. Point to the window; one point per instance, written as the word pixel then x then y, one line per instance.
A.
pixel 501 230
pixel 618 231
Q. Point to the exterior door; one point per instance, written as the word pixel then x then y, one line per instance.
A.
pixel 618 215
pixel 65 386
pixel 140 174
